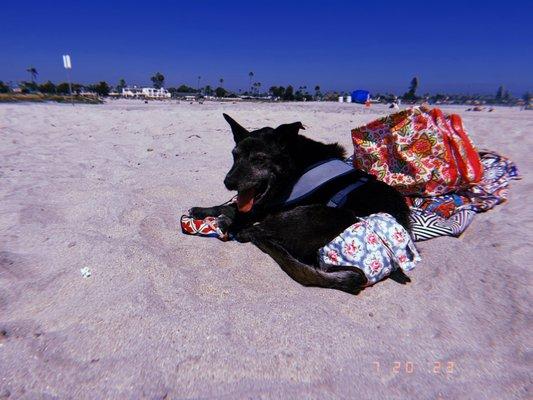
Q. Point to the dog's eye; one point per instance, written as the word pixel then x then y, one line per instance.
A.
pixel 259 157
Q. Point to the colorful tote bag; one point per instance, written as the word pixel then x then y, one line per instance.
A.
pixel 420 152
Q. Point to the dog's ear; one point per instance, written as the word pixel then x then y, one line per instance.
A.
pixel 289 131
pixel 239 133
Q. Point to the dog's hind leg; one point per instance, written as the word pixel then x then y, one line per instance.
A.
pixel 347 280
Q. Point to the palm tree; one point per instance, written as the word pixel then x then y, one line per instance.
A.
pixel 158 80
pixel 221 80
pixel 33 73
pixel 251 75
pixel 317 91
pixel 198 87
pixel 121 85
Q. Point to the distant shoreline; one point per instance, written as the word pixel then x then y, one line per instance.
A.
pixel 85 99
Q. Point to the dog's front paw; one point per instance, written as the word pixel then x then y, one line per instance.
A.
pixel 224 222
pixel 199 212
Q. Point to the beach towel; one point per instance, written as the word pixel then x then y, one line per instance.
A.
pixel 451 214
pixel 377 245
pixel 420 152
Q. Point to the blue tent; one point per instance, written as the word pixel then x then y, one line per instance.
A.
pixel 360 96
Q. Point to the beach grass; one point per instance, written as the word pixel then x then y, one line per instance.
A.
pixel 39 97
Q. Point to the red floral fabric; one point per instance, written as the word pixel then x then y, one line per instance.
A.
pixel 420 152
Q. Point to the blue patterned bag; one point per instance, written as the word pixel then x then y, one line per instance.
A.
pixel 377 245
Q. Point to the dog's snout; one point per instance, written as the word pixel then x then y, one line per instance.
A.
pixel 230 182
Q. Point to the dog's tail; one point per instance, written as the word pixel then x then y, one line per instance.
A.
pixel 348 279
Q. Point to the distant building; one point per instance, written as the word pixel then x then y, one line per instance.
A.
pixel 145 92
pixel 156 93
pixel 186 95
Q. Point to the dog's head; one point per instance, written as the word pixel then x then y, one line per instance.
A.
pixel 262 163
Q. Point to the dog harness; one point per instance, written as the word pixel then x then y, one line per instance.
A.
pixel 324 173
pixel 377 245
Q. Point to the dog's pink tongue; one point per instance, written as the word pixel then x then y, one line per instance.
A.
pixel 245 200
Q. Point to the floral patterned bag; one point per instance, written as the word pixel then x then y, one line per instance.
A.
pixel 377 245
pixel 420 152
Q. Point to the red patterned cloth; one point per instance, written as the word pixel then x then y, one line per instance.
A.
pixel 419 152
pixel 202 227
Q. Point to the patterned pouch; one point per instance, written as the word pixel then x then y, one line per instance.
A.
pixel 377 245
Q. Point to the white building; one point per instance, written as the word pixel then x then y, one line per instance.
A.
pixel 146 92
pixel 156 93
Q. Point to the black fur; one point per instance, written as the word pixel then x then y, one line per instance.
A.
pixel 269 161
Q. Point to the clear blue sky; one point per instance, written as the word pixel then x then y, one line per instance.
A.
pixel 453 46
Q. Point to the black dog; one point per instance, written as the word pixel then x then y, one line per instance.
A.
pixel 267 162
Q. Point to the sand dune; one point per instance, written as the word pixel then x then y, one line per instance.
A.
pixel 165 314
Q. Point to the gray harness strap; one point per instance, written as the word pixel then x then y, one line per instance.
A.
pixel 317 176
pixel 341 196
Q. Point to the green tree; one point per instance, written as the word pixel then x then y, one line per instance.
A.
pixel 500 94
pixel 62 88
pixel 28 87
pixel 413 86
pixel 506 96
pixel 4 88
pixel 101 88
pixel 411 93
pixel 250 75
pixel 33 73
pixel 76 88
pixel 47 87
pixel 121 85
pixel 317 91
pixel 208 91
pixel 221 81
pixel 255 87
pixel 220 92
pixel 277 91
pixel 186 89
pixel 527 97
pixel 288 93
pixel 158 80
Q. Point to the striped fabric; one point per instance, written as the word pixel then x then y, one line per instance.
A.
pixel 428 225
pixel 452 213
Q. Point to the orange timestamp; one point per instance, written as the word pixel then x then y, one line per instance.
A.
pixel 408 367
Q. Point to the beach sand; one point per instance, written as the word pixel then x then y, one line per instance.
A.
pixel 164 314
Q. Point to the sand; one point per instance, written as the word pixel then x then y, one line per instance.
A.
pixel 165 315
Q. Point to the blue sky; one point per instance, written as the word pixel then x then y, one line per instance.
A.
pixel 453 46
